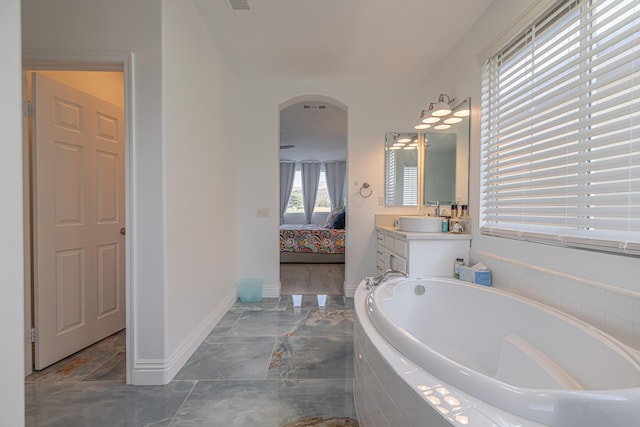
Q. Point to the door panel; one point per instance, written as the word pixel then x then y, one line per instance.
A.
pixel 78 205
pixel 69 284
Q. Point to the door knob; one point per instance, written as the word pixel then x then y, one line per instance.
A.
pixel 123 231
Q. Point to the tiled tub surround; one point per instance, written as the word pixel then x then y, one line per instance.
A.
pixel 603 304
pixel 455 319
pixel 265 364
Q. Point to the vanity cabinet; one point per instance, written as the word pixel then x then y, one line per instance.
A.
pixel 420 254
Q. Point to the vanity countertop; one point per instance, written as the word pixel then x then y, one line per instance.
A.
pixel 411 235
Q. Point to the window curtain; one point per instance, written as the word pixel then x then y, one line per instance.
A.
pixel 335 173
pixel 287 174
pixel 310 179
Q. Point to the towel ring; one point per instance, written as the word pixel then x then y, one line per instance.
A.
pixel 363 190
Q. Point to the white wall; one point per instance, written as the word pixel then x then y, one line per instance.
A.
pixel 74 27
pixel 200 196
pixel 373 108
pixel 181 158
pixel 599 288
pixel 11 303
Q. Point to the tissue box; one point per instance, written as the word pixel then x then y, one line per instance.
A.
pixel 468 274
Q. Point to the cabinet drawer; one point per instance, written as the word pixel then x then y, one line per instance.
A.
pixel 388 242
pixel 400 247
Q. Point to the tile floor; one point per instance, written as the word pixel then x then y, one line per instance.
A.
pixel 272 364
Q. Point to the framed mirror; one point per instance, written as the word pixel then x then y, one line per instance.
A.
pixel 440 164
pixel 401 157
pixel 446 159
pixel 430 166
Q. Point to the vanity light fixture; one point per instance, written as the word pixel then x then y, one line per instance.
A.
pixel 404 139
pixel 443 108
pixel 442 127
pixel 435 112
pixel 452 120
pixel 428 116
pixel 462 110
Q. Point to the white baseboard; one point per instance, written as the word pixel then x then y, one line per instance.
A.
pixel 350 289
pixel 159 371
pixel 272 291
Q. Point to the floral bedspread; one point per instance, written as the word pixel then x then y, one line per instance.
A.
pixel 310 238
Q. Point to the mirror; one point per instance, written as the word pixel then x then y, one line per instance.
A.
pixel 401 155
pixel 429 166
pixel 446 160
pixel 440 165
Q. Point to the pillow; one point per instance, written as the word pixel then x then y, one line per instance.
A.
pixel 338 222
pixel 332 216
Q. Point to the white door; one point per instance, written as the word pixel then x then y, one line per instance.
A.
pixel 78 215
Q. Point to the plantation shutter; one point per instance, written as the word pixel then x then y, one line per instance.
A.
pixel 560 129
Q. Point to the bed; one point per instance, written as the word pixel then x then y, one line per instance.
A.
pixel 311 244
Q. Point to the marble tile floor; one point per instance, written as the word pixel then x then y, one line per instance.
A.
pixel 272 364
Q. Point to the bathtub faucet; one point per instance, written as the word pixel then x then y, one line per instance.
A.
pixel 387 275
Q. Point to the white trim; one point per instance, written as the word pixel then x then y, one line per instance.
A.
pixel 350 289
pixel 524 20
pixel 106 61
pixel 159 371
pixel 271 291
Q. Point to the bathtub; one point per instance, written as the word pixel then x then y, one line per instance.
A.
pixel 440 352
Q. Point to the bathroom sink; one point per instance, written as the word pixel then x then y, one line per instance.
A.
pixel 423 224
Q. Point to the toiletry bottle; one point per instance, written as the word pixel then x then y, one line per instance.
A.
pixel 445 225
pixel 454 211
pixel 456 267
pixel 464 211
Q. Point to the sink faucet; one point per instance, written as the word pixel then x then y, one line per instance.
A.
pixel 387 275
pixel 436 211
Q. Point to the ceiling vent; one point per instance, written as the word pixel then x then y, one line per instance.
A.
pixel 314 107
pixel 239 5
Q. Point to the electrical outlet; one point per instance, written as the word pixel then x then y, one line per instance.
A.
pixel 380 200
pixel 262 212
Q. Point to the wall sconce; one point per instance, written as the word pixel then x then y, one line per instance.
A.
pixel 440 110
pixel 404 141
pixel 443 108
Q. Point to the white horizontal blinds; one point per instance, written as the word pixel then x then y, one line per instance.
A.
pixel 390 188
pixel 561 129
pixel 410 186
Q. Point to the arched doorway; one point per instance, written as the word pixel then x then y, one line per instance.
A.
pixel 313 162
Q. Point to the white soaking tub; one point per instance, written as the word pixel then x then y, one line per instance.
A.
pixel 474 355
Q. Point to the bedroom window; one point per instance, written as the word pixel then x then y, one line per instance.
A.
pixel 322 199
pixel 323 204
pixel 560 153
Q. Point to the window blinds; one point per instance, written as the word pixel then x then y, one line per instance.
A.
pixel 560 129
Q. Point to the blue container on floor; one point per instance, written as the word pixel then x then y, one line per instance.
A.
pixel 250 290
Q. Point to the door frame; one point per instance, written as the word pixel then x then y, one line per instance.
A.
pixel 87 61
pixel 298 99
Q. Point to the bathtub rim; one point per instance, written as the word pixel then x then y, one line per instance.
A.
pixel 625 350
pixel 421 381
pixel 517 408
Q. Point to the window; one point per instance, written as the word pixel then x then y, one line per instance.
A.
pixel 561 129
pixel 323 204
